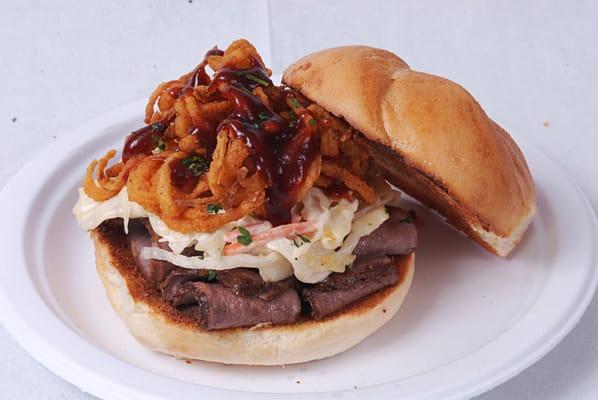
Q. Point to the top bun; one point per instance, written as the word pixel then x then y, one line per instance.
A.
pixel 429 136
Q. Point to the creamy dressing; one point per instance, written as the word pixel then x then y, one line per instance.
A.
pixel 311 259
pixel 90 213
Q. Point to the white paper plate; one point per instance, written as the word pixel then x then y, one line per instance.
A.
pixel 470 322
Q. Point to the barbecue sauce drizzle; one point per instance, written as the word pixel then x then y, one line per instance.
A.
pixel 282 151
pixel 142 141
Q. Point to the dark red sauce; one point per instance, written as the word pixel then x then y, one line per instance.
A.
pixel 180 91
pixel 181 176
pixel 206 132
pixel 144 140
pixel 337 191
pixel 282 151
pixel 214 51
pixel 242 78
pixel 206 135
pixel 199 75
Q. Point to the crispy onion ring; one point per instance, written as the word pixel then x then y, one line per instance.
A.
pixel 140 184
pixel 150 185
pixel 232 180
pixel 168 195
pixel 197 219
pixel 313 173
pixel 351 181
pixel 108 183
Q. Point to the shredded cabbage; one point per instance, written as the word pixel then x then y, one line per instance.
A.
pixel 210 243
pixel 90 213
pixel 272 267
pixel 328 249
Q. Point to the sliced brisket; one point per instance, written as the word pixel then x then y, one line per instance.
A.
pixel 240 297
pixel 219 307
pixel 177 278
pixel 154 271
pixel 248 282
pixel 367 275
pixel 372 270
pixel 396 236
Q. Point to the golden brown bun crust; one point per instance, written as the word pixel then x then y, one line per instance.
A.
pixel 160 327
pixel 444 150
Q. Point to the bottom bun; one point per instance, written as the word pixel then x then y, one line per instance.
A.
pixel 161 327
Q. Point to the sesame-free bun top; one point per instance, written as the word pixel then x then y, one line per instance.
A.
pixel 429 136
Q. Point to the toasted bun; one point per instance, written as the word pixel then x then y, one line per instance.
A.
pixel 430 137
pixel 160 327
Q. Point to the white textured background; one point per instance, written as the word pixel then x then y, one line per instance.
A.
pixel 533 66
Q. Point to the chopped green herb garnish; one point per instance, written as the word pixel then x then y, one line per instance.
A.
pixel 196 164
pixel 262 81
pixel 256 125
pixel 157 127
pixel 293 115
pixel 263 115
pixel 158 143
pixel 214 208
pixel 245 90
pixel 304 238
pixel 407 220
pixel 211 275
pixel 299 240
pixel 245 236
pixel 294 103
pixel 312 122
pixel 255 79
pixel 201 255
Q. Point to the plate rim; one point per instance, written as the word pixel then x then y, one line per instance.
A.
pixel 90 380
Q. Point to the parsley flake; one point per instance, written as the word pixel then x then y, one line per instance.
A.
pixel 312 122
pixel 214 208
pixel 211 275
pixel 158 143
pixel 263 115
pixel 196 164
pixel 407 220
pixel 294 103
pixel 299 240
pixel 201 255
pixel 157 127
pixel 245 90
pixel 245 236
pixel 304 238
pixel 255 79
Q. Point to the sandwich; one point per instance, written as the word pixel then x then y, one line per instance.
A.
pixel 260 224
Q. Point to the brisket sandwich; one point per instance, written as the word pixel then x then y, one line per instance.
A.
pixel 250 223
